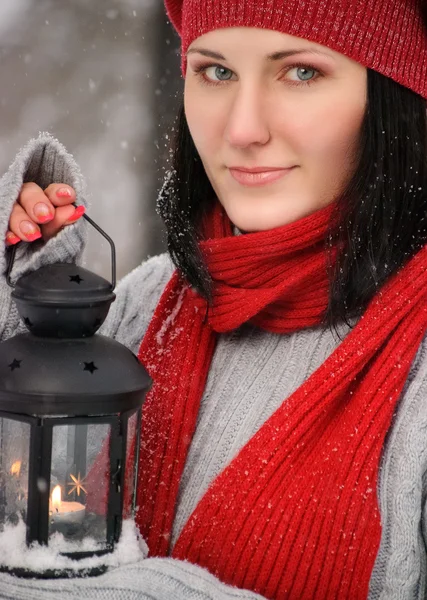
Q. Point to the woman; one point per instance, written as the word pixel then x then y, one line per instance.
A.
pixel 284 441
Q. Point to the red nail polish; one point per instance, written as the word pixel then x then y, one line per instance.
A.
pixel 45 219
pixel 79 212
pixel 12 239
pixel 32 237
pixel 64 193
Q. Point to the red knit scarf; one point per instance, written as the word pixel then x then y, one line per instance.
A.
pixel 295 514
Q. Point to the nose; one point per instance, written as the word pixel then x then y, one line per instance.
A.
pixel 247 122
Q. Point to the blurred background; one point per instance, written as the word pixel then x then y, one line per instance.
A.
pixel 103 76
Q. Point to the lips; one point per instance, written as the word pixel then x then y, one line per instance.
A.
pixel 258 176
pixel 258 169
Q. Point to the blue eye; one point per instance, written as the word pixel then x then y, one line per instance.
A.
pixel 222 73
pixel 219 74
pixel 215 75
pixel 301 75
pixel 305 74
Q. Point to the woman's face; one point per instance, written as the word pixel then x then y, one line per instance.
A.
pixel 258 99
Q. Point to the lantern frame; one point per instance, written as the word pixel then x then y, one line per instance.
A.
pixel 40 466
pixel 58 329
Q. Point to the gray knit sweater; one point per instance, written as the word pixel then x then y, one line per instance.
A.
pixel 251 374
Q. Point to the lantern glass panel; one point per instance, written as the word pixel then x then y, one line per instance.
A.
pixel 80 484
pixel 14 460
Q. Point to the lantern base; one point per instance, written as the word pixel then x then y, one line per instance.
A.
pixel 38 562
pixel 54 573
pixel 61 573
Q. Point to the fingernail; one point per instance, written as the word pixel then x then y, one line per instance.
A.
pixel 32 237
pixel 79 212
pixel 64 193
pixel 12 239
pixel 30 231
pixel 43 212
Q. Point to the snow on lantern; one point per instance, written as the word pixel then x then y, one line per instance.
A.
pixel 70 406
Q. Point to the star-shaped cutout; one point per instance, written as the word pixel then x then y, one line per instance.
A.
pixel 90 366
pixel 77 485
pixel 76 279
pixel 15 364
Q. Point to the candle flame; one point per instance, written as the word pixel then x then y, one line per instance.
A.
pixel 15 469
pixel 56 497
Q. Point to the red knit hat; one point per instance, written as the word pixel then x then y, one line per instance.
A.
pixel 387 36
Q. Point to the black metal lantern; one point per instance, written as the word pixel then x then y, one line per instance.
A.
pixel 69 414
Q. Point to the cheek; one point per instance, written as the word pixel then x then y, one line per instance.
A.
pixel 326 141
pixel 204 122
pixel 330 133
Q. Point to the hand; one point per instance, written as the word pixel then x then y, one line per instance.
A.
pixel 42 214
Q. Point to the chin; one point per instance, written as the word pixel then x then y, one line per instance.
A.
pixel 262 210
pixel 249 227
pixel 253 221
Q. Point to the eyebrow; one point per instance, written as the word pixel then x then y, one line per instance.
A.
pixel 270 57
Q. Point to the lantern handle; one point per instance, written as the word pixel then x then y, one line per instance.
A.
pixel 98 228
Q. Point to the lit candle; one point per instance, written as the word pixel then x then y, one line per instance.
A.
pixel 65 512
pixel 15 469
pixel 15 485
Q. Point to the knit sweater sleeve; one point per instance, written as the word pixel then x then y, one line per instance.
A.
pixel 43 161
pixel 150 579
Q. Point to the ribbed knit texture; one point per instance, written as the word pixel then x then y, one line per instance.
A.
pixel 290 516
pixel 250 374
pixel 42 160
pixel 384 35
pixel 150 579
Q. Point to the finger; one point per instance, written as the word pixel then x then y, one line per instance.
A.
pixel 60 194
pixel 78 213
pixel 21 225
pixel 12 239
pixel 64 215
pixel 36 204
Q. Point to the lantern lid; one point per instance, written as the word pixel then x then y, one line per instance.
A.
pixel 74 377
pixel 63 285
pixel 63 301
